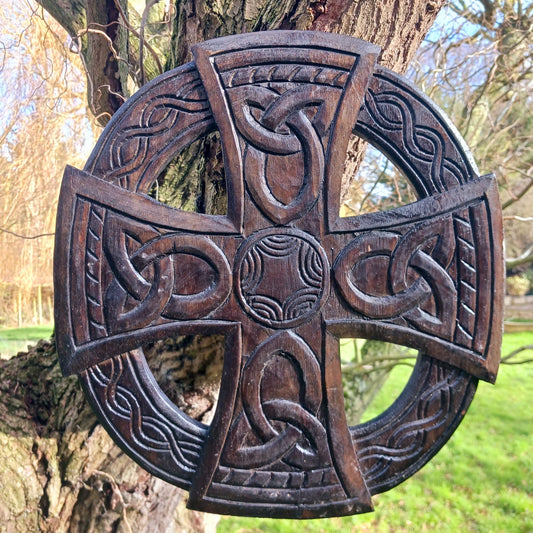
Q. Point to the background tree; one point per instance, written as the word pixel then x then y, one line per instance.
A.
pixel 477 64
pixel 483 78
pixel 42 92
pixel 60 471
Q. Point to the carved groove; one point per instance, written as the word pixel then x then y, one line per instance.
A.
pixel 93 281
pixel 425 425
pixel 415 137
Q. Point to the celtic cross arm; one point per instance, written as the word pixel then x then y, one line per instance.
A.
pixel 282 276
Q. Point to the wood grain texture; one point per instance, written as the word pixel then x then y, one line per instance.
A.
pixel 282 276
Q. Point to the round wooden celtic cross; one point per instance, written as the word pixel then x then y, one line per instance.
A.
pixel 282 276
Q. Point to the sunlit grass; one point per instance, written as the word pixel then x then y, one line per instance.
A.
pixel 15 340
pixel 481 481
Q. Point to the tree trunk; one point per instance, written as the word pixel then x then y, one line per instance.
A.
pixel 60 471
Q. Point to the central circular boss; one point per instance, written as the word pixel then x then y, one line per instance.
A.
pixel 287 254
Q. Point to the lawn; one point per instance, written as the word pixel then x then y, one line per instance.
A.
pixel 481 481
pixel 15 340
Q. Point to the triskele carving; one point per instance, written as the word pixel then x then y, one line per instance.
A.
pixel 282 276
pixel 303 441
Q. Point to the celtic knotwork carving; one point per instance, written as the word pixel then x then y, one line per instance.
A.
pixel 419 139
pixel 417 285
pixel 145 414
pixel 133 250
pixel 255 440
pixel 393 113
pixel 175 114
pixel 283 140
pixel 386 453
pixel 130 270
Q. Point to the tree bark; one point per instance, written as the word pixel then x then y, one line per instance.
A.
pixel 60 471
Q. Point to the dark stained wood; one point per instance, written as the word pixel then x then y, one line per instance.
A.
pixel 282 275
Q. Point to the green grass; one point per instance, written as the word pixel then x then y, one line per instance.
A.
pixel 15 340
pixel 481 481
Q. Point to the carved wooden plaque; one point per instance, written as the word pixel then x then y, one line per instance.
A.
pixel 282 276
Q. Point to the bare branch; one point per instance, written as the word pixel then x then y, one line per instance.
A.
pixel 515 197
pixel 518 218
pixel 379 359
pixel 27 237
pixel 142 42
pixel 514 353
pixel 369 369
pixel 132 30
pixel 92 29
pixel 522 259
